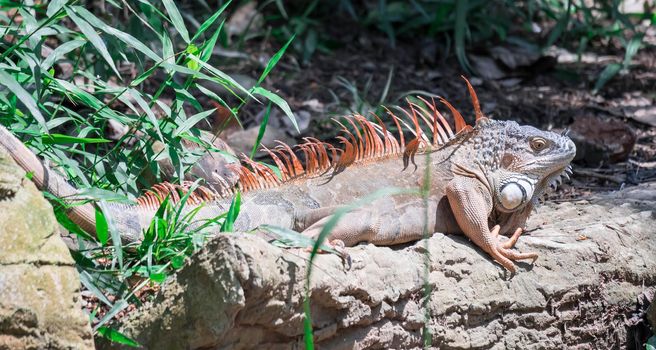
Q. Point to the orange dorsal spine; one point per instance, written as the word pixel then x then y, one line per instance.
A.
pixel 364 141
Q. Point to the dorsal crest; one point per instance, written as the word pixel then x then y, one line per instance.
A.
pixel 362 140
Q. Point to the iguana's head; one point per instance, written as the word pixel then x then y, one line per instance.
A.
pixel 525 161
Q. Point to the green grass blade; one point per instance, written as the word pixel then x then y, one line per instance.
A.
pixel 274 60
pixel 102 230
pixel 282 104
pixel 117 337
pixel 122 36
pixel 93 38
pixel 191 121
pixel 149 112
pixel 208 23
pixel 60 52
pixel 24 96
pixel 218 73
pixel 560 27
pixel 59 139
pixel 118 307
pixel 233 212
pixel 260 133
pixel 54 6
pixel 208 47
pixel 176 19
pixel 607 74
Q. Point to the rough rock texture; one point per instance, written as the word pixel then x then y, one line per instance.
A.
pixel 39 286
pixel 596 256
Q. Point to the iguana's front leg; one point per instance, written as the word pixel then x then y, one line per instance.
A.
pixel 472 204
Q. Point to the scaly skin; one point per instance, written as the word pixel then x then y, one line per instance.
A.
pixel 483 184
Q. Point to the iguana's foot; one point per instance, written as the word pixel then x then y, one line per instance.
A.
pixel 512 240
pixel 501 251
pixel 338 246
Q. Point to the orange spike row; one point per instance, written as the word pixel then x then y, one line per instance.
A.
pixel 353 141
pixel 296 168
pixel 369 143
pixel 358 138
pixel 412 128
pixel 379 146
pixel 265 177
pixel 388 146
pixel 474 98
pixel 425 116
pixel 348 155
pixel 321 148
pixel 154 197
pixel 398 126
pixel 362 140
pixel 445 130
pixel 284 173
pixel 419 133
pixel 432 124
pixel 459 120
pixel 288 168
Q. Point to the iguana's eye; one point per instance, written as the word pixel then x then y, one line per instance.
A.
pixel 538 144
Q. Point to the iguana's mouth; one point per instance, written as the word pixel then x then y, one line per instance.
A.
pixel 556 178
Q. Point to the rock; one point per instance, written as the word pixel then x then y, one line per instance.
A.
pixel 39 285
pixel 601 140
pixel 241 292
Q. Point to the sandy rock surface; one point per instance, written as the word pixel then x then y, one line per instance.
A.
pixel 596 257
pixel 39 285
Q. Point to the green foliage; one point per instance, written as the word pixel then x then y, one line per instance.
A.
pixel 123 270
pixel 459 25
pixel 67 71
pixel 651 343
pixel 64 77
pixel 117 337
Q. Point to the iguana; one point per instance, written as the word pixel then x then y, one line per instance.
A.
pixel 484 181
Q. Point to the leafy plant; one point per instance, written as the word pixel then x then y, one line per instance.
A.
pixel 68 71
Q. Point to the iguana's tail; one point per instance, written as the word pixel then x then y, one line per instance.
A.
pixel 47 179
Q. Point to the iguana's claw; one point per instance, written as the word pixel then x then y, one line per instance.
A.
pixel 501 251
pixel 511 241
pixel 339 247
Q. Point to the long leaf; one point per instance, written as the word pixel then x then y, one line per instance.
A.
pixel 60 52
pixel 176 19
pixel 274 60
pixel 59 139
pixel 124 37
pixel 191 121
pixel 279 102
pixel 233 212
pixel 260 133
pixel 93 38
pixel 208 23
pixel 24 96
pixel 102 230
pixel 118 307
pixel 117 337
